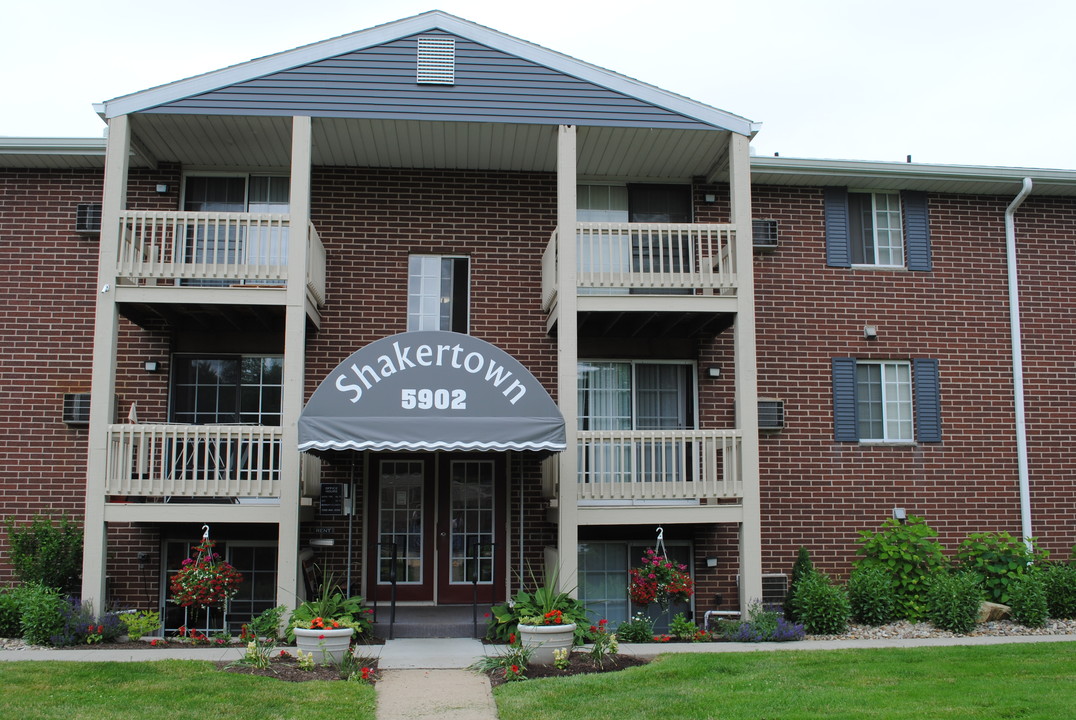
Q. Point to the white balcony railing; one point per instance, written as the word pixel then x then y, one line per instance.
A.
pixel 674 465
pixel 193 461
pixel 206 249
pixel 618 258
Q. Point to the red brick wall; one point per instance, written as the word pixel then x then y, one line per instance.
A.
pixel 820 493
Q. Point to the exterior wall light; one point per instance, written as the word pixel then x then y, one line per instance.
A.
pixel 152 366
pixel 713 372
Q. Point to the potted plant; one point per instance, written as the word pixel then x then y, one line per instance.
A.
pixel 545 618
pixel 545 634
pixel 325 626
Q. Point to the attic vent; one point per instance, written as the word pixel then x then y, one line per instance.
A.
pixel 771 414
pixel 764 234
pixel 88 219
pixel 76 408
pixel 436 60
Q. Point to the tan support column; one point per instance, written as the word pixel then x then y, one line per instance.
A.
pixel 292 392
pixel 746 372
pixel 105 341
pixel 567 357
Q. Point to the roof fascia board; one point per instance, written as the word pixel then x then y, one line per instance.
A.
pixel 438 20
pixel 845 169
pixel 52 146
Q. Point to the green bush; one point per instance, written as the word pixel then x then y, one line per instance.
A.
pixel 821 606
pixel 139 623
pixel 46 554
pixel 997 559
pixel 9 614
pixel 639 629
pixel 42 613
pixel 504 619
pixel 1027 598
pixel 1059 581
pixel 800 569
pixel 871 595
pixel 953 601
pixel 910 556
pixel 681 628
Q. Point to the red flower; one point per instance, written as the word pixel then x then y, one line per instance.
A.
pixel 515 668
pixel 321 637
pixel 511 638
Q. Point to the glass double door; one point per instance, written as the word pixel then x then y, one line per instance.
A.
pixel 437 525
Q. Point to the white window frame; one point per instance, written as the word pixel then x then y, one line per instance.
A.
pixel 887 381
pixel 415 318
pixel 881 238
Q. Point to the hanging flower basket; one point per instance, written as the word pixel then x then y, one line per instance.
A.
pixel 659 580
pixel 205 580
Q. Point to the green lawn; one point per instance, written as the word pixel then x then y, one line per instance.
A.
pixel 1001 681
pixel 172 690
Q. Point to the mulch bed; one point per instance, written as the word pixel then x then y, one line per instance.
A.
pixel 288 670
pixel 579 664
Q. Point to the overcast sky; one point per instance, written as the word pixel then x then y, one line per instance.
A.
pixel 980 82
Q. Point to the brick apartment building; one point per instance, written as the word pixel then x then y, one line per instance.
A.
pixel 360 248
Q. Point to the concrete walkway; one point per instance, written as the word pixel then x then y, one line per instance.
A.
pixel 426 678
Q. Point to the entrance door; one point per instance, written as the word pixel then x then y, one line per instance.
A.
pixel 444 515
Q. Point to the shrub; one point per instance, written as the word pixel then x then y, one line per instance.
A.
pixel 800 569
pixel 639 629
pixel 681 628
pixel 910 556
pixel 41 609
pixel 822 607
pixel 141 623
pixel 46 554
pixel 9 614
pixel 1059 583
pixel 871 595
pixel 80 625
pixel 1027 598
pixel 762 625
pixel 953 601
pixel 504 619
pixel 997 559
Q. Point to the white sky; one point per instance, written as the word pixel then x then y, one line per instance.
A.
pixel 977 82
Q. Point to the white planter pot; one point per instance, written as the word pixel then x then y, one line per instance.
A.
pixel 544 639
pixel 327 646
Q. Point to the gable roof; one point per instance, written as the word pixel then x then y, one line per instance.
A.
pixel 370 74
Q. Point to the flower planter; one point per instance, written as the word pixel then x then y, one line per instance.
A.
pixel 327 646
pixel 544 639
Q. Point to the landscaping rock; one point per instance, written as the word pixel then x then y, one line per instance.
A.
pixel 989 612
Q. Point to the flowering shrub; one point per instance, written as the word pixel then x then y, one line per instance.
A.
pixel 204 580
pixel 80 625
pixel 659 580
pixel 603 642
pixel 512 662
pixel 638 629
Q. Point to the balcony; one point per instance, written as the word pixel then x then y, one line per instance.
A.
pixel 185 463
pixel 626 467
pixel 198 250
pixel 646 258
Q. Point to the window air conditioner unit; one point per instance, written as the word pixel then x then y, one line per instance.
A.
pixel 774 589
pixel 771 414
pixel 76 408
pixel 88 219
pixel 764 234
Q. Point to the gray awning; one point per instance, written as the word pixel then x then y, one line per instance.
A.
pixel 431 391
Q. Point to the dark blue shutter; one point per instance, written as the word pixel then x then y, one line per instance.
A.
pixel 845 422
pixel 927 400
pixel 838 241
pixel 916 230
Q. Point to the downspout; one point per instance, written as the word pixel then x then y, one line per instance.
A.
pixel 1018 365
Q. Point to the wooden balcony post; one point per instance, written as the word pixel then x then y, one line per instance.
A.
pixel 567 357
pixel 746 373
pixel 293 390
pixel 103 383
